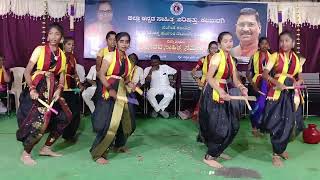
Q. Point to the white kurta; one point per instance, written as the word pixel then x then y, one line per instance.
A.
pixel 138 76
pixel 88 93
pixel 160 85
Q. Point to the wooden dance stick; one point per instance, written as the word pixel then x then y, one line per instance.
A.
pixel 296 87
pixel 75 90
pixel 248 105
pixel 246 99
pixel 249 98
pixel 263 94
pixel 139 91
pixel 47 106
pixel 52 102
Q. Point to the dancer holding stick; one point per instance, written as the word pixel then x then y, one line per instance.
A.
pixel 283 112
pixel 44 76
pixel 219 123
pixel 117 115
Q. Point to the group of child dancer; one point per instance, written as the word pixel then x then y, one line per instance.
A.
pixel 50 78
pixel 275 79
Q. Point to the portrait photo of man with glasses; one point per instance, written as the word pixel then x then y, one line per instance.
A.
pixel 96 31
pixel 248 29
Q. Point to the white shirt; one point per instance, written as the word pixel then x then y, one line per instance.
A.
pixel 159 78
pixel 138 75
pixel 92 73
pixel 81 72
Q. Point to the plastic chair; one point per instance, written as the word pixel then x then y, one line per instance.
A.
pixel 82 76
pixel 16 87
pixel 5 95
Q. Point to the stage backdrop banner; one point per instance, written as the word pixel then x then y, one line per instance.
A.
pixel 175 30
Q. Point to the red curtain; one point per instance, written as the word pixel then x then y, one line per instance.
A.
pixel 20 36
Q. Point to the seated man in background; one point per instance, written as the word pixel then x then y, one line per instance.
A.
pixel 158 76
pixel 4 79
pixel 88 93
pixel 137 80
pixel 81 73
pixel 137 77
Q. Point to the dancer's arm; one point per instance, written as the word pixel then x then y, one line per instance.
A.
pixel 99 60
pixel 6 76
pixel 27 72
pixel 198 66
pixel 58 91
pixel 267 70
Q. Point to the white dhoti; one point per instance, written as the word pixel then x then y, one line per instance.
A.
pixel 87 95
pixel 167 92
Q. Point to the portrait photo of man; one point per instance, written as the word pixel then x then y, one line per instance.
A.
pixel 248 29
pixel 95 32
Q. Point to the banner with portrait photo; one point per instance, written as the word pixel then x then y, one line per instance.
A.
pixel 175 30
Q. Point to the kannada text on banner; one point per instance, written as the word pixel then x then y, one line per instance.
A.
pixel 175 30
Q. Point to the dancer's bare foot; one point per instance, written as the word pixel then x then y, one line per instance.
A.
pixel 102 161
pixel 285 155
pixel 46 151
pixel 211 161
pixel 225 156
pixel 276 161
pixel 256 133
pixel 122 149
pixel 27 159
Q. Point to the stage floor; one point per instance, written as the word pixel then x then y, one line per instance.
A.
pixel 160 149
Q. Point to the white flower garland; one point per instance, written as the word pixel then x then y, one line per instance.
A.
pixel 57 9
pixel 295 12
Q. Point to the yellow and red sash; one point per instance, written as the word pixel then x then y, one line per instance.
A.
pixel 133 72
pixel 205 67
pixel 284 70
pixel 105 51
pixel 43 64
pixel 69 82
pixel 114 71
pixel 1 76
pixel 258 65
pixel 224 71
